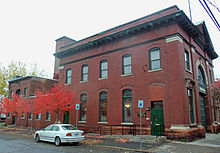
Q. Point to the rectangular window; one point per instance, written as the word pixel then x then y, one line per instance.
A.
pixel 210 75
pixel 154 58
pixel 191 106
pixel 48 116
pixel 9 115
pixel 84 75
pixel 30 116
pixel 23 115
pixel 127 105
pixel 104 69
pixel 83 107
pixel 38 117
pixel 126 64
pixel 214 110
pixel 187 60
pixel 103 98
pixel 11 94
pixel 68 76
pixel 25 92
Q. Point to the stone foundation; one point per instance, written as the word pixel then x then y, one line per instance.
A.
pixel 214 128
pixel 185 133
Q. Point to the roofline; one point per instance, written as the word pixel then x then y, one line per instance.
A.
pixel 66 38
pixel 158 12
pixel 28 77
pixel 178 17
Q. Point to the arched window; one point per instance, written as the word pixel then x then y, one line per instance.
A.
pixel 103 98
pixel 83 107
pixel 154 59
pixel 127 105
pixel 68 76
pixel 200 77
pixel 84 73
pixel 126 64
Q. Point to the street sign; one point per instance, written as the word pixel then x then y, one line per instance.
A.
pixel 77 106
pixel 140 103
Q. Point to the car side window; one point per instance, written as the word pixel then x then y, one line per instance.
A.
pixel 55 128
pixel 48 128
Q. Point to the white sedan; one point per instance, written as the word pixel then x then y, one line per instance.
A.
pixel 59 133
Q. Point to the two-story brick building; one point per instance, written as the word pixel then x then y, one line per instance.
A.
pixel 163 59
pixel 26 87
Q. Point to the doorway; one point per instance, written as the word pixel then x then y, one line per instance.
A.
pixel 157 118
pixel 202 110
pixel 66 118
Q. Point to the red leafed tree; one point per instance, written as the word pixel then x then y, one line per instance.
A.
pixel 16 106
pixel 58 100
pixel 216 93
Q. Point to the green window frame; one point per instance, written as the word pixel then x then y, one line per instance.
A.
pixel 210 76
pixel 25 92
pixel 11 94
pixel 154 59
pixel 103 102
pixel 30 116
pixel 187 60
pixel 48 116
pixel 127 106
pixel 68 76
pixel 38 116
pixel 126 64
pixel 84 74
pixel 191 106
pixel 104 69
pixel 83 107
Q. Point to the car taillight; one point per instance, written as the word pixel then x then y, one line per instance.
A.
pixel 68 134
pixel 83 133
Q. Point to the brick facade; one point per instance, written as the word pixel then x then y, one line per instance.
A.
pixel 31 83
pixel 170 68
pixel 175 35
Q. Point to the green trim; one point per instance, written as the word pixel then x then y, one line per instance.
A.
pixel 150 61
pixel 123 105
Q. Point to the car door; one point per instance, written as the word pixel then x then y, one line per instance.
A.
pixel 45 133
pixel 53 133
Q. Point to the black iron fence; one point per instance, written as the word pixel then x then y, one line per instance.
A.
pixel 108 129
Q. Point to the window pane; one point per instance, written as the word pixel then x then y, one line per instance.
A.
pixel 104 74
pixel 127 60
pixel 85 69
pixel 85 77
pixel 127 69
pixel 154 55
pixel 155 65
pixel 104 65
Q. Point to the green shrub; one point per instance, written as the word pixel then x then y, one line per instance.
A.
pixel 4 124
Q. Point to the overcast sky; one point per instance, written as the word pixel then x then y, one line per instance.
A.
pixel 29 28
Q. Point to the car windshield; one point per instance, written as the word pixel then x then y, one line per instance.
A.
pixel 69 127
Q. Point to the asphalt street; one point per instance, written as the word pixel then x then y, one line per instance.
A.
pixel 10 143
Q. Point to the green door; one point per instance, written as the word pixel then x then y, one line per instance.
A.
pixel 157 119
pixel 66 118
pixel 202 110
pixel 13 120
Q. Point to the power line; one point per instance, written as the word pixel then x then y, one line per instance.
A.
pixel 214 5
pixel 209 12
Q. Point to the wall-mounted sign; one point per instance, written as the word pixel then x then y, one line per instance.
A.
pixel 77 106
pixel 140 103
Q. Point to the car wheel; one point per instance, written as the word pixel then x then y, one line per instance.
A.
pixel 37 138
pixel 57 141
